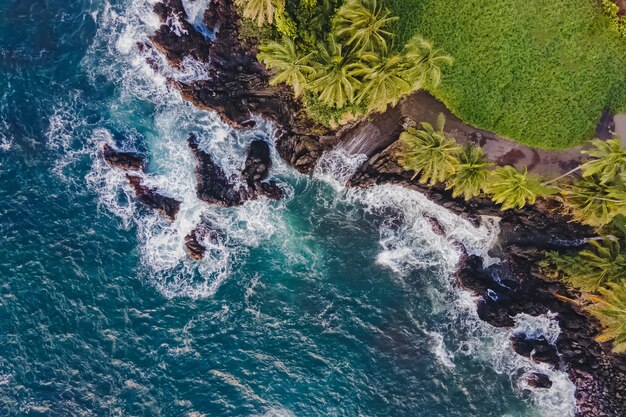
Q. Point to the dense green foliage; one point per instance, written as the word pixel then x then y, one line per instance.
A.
pixel 608 160
pixel 336 54
pixel 261 11
pixel 610 309
pixel 618 21
pixel 514 189
pixel 429 152
pixel 600 194
pixel 600 273
pixel 539 72
pixel 472 172
pixel 291 67
pixel 592 268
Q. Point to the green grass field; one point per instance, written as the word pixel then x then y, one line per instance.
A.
pixel 539 72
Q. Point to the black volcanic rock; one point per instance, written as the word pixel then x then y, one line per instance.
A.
pixel 213 186
pixel 258 162
pixel 539 350
pixel 269 189
pixel 202 232
pixel 128 161
pixel 150 197
pixel 539 380
pixel 256 169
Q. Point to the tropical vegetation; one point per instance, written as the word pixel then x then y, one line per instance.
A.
pixel 470 177
pixel 539 72
pixel 618 20
pixel 342 57
pixel 514 189
pixel 346 58
pixel 429 152
pixel 609 307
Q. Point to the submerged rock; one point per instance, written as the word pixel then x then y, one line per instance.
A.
pixel 128 161
pixel 539 349
pixel 150 197
pixel 538 380
pixel 194 241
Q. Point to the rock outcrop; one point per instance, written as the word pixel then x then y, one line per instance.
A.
pixel 128 161
pixel 212 184
pixel 257 168
pixel 133 162
pixel 150 197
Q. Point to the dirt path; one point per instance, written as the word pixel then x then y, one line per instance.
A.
pixel 380 130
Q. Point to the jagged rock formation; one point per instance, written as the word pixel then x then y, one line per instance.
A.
pixel 131 161
pixel 128 161
pixel 150 197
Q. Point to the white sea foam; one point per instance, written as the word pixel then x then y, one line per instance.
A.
pixel 409 243
pixel 337 166
pixel 171 169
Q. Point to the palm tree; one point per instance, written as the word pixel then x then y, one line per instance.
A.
pixel 261 10
pixel 335 77
pixel 382 82
pixel 592 268
pixel 361 23
pixel 424 62
pixel 512 188
pixel 610 309
pixel 609 160
pixel 290 67
pixel 429 152
pixel 592 202
pixel 471 174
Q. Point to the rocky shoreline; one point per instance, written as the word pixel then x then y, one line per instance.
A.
pixel 237 89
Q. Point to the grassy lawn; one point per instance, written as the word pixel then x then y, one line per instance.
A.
pixel 539 72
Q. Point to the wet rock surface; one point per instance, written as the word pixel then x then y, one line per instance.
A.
pixel 134 162
pixel 256 169
pixel 150 197
pixel 538 380
pixel 515 286
pixel 128 161
pixel 203 232
pixel 537 349
pixel 212 184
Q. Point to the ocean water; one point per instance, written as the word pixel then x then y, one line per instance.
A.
pixel 332 302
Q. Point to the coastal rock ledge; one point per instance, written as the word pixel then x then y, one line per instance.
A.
pixel 237 88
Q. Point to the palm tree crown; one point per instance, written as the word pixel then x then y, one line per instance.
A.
pixel 261 10
pixel 593 202
pixel 429 152
pixel 335 77
pixel 361 23
pixel 382 82
pixel 512 188
pixel 610 310
pixel 424 62
pixel 609 162
pixel 471 174
pixel 291 67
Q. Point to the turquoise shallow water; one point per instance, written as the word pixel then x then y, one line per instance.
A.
pixel 331 303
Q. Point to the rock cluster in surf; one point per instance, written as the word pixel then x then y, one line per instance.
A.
pixel 213 186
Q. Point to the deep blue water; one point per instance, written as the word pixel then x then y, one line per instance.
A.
pixel 330 303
